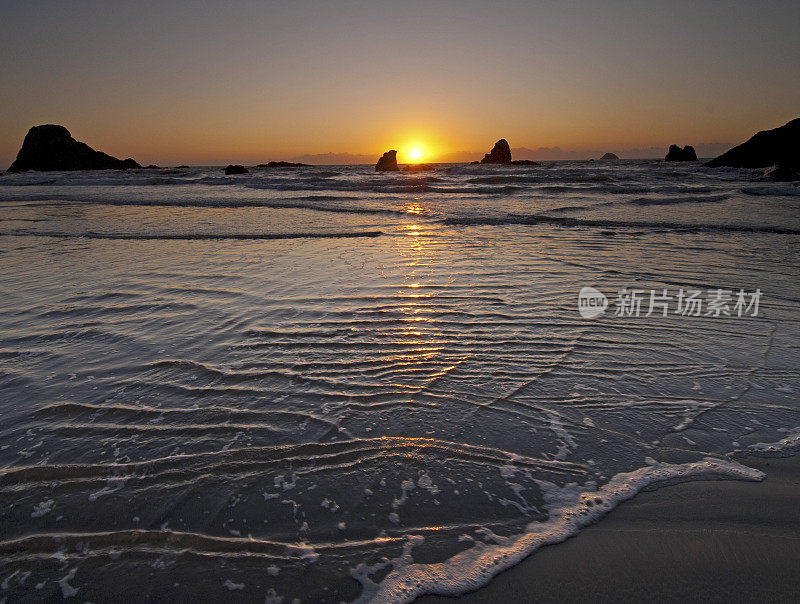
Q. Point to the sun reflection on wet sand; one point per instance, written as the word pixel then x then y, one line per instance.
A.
pixel 418 292
pixel 413 208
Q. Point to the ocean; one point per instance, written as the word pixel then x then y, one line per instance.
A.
pixel 329 384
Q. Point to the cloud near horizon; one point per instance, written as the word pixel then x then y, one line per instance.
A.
pixel 541 154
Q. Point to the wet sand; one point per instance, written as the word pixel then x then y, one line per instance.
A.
pixel 720 541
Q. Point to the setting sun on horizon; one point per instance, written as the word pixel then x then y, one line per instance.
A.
pixel 413 153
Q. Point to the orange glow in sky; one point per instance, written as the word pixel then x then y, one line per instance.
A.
pixel 289 81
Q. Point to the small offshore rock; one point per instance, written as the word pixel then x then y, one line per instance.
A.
pixel 387 162
pixel 675 153
pixel 500 153
pixel 236 169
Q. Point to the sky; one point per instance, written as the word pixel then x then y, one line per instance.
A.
pixel 213 83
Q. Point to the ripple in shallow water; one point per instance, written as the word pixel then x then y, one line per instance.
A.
pixel 331 419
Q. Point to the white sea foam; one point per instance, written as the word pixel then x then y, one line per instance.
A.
pixel 789 443
pixel 570 508
pixel 67 591
pixel 231 586
pixel 45 507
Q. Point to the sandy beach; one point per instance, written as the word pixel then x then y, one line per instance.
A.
pixel 711 541
pixel 212 387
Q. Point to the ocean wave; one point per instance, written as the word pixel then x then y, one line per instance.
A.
pixel 660 201
pixel 534 179
pixel 342 204
pixel 581 208
pixel 308 202
pixel 190 236
pixel 787 190
pixel 609 189
pixel 535 219
pixel 103 543
pixel 331 454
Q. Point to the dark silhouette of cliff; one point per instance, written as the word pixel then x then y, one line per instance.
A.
pixel 52 147
pixel 776 147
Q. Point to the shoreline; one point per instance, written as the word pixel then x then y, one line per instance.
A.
pixel 717 541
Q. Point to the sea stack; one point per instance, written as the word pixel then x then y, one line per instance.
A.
pixel 609 157
pixel 776 147
pixel 387 162
pixel 51 147
pixel 675 153
pixel 500 153
pixel 236 169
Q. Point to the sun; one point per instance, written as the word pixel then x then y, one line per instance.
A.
pixel 414 152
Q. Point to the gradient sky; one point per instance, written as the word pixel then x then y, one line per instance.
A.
pixel 174 82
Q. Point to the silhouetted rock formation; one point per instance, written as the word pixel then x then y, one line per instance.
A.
pixel 675 153
pixel 237 169
pixel 283 164
pixel 417 168
pixel 524 162
pixel 500 153
pixel 610 156
pixel 387 162
pixel 153 167
pixel 52 147
pixel 783 174
pixel 779 146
